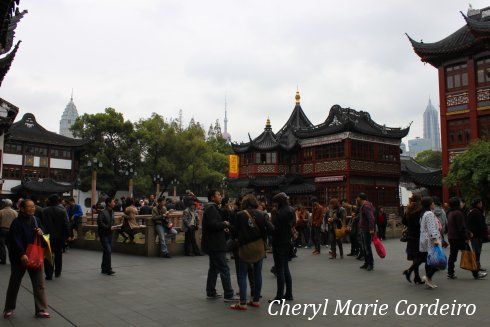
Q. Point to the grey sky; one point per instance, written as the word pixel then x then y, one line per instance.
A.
pixel 161 56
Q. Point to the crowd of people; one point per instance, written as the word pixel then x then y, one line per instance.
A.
pixel 247 228
pixel 429 224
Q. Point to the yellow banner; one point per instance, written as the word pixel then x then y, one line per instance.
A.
pixel 233 166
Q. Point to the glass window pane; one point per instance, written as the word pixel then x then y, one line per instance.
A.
pixel 464 79
pixel 481 76
pixel 457 80
pixel 449 82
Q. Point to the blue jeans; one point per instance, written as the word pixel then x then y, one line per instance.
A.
pixel 163 233
pixel 218 265
pixel 106 242
pixel 281 262
pixel 242 280
pixel 366 246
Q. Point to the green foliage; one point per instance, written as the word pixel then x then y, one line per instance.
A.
pixel 113 142
pixel 430 158
pixel 470 172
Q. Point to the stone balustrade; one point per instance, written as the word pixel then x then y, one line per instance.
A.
pixel 146 239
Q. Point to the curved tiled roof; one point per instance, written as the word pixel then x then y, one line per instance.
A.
pixel 471 37
pixel 28 130
pixel 347 119
pixel 6 62
pixel 42 185
pixel 420 174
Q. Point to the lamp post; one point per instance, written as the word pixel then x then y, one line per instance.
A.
pixel 130 172
pixel 157 180
pixel 223 185
pixel 94 163
pixel 175 182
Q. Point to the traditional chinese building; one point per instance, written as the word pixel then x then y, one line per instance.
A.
pixel 37 161
pixel 347 154
pixel 10 15
pixel 463 63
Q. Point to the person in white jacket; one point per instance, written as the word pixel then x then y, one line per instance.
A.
pixel 430 235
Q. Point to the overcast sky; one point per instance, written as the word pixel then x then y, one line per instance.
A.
pixel 161 56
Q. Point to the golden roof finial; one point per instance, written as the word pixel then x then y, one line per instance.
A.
pixel 268 122
pixel 297 97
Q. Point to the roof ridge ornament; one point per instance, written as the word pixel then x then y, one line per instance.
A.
pixel 298 96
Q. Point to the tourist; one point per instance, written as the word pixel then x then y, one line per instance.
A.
pixel 75 214
pixel 7 215
pixel 353 229
pixel 411 219
pixel 105 224
pixel 301 225
pixel 281 246
pixel 478 228
pixel 458 236
pixel 430 235
pixel 366 227
pixel 251 225
pixel 441 215
pixel 23 231
pixel 56 225
pixel 381 223
pixel 190 221
pixel 129 225
pixel 316 224
pixel 146 208
pixel 214 244
pixel 336 217
pixel 151 201
pixel 118 207
pixel 163 226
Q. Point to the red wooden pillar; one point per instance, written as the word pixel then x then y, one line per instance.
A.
pixel 444 141
pixel 472 101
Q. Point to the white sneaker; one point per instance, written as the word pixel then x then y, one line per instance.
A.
pixel 428 282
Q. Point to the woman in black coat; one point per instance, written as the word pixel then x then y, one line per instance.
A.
pixel 411 219
pixel 477 225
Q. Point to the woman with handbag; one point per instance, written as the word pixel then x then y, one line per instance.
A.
pixel 411 219
pixel 25 238
pixel 336 230
pixel 251 229
pixel 430 235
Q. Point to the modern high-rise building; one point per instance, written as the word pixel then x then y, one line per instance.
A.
pixel 431 127
pixel 68 118
pixel 417 145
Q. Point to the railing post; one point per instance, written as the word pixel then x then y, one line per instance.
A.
pixel 150 238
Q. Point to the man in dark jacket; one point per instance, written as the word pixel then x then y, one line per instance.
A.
pixel 458 236
pixel 213 242
pixel 477 225
pixel 54 220
pixel 366 228
pixel 105 223
pixel 281 246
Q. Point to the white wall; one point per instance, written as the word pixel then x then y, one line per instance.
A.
pixel 12 159
pixel 9 183
pixel 60 163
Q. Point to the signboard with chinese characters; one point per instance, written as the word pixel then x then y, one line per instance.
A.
pixel 329 179
pixel 233 166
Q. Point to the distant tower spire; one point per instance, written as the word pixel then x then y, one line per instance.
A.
pixel 226 116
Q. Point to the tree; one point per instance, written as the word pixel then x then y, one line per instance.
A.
pixel 470 172
pixel 430 158
pixel 111 140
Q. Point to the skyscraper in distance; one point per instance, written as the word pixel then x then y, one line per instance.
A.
pixel 431 126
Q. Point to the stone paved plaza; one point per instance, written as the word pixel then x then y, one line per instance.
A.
pixel 162 292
